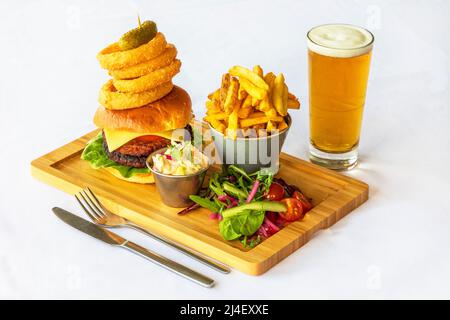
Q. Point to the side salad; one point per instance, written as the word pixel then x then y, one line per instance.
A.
pixel 250 207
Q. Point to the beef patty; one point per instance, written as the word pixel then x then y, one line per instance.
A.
pixel 135 152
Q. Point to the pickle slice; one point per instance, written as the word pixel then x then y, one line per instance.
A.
pixel 138 36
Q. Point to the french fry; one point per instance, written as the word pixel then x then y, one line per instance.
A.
pixel 247 103
pixel 285 99
pixel 293 104
pixel 269 78
pixel 258 70
pixel 254 121
pixel 216 116
pixel 258 130
pixel 256 114
pixel 237 105
pixel 233 121
pixel 224 88
pixel 282 125
pixel 212 113
pixel 214 95
pixel 271 113
pixel 245 112
pixel 246 108
pixel 277 92
pixel 279 95
pixel 232 124
pixel 252 90
pixel 271 125
pixel 265 104
pixel 249 75
pixel 218 125
pixel 242 94
pixel 255 102
pixel 232 96
pixel 213 106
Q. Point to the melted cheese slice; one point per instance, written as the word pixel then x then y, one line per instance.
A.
pixel 117 138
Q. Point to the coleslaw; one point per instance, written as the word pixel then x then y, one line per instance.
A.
pixel 180 158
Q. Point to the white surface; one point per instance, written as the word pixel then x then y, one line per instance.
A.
pixel 395 246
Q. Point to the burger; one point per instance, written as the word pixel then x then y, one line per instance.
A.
pixel 128 137
pixel 140 108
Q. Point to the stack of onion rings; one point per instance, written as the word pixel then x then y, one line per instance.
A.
pixel 113 58
pixel 140 76
pixel 150 80
pixel 138 70
pixel 112 99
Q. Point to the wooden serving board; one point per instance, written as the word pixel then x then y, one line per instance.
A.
pixel 334 196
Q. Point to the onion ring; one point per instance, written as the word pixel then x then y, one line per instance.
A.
pixel 149 81
pixel 138 70
pixel 112 99
pixel 112 57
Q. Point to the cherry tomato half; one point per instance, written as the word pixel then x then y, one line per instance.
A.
pixel 276 192
pixel 307 205
pixel 294 209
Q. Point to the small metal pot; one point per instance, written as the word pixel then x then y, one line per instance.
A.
pixel 175 190
pixel 251 154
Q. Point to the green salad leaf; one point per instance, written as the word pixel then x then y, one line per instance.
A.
pixel 97 157
pixel 227 231
pixel 246 223
pixel 238 172
pixel 215 185
pixel 265 176
pixel 205 203
pixel 234 191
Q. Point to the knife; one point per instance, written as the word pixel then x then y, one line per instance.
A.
pixel 116 240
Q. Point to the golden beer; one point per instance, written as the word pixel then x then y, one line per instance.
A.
pixel 338 61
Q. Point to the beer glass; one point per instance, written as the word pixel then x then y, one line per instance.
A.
pixel 338 61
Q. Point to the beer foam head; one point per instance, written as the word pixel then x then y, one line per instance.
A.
pixel 340 40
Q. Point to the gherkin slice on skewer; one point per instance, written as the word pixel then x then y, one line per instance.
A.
pixel 138 36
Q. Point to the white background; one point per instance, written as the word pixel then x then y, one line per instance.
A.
pixel 397 245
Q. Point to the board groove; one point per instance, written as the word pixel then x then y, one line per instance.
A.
pixel 334 196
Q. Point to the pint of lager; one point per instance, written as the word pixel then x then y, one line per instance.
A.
pixel 339 59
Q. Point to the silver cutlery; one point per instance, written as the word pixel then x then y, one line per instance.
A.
pixel 104 217
pixel 118 241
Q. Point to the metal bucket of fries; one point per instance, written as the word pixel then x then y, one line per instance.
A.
pixel 248 117
pixel 251 151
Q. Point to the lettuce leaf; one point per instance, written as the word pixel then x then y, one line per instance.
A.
pixel 246 223
pixel 97 157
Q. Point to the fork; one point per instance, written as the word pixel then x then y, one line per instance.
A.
pixel 102 216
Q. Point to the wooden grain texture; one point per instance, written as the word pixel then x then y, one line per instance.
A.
pixel 334 196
